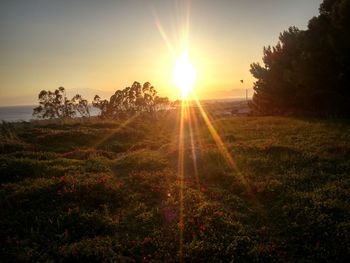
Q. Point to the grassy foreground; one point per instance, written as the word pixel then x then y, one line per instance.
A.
pixel 103 191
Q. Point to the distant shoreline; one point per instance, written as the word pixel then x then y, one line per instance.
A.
pixel 18 113
pixel 204 100
pixel 24 113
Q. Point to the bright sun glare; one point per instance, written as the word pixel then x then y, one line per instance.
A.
pixel 184 75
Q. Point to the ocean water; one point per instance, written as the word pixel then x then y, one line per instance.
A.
pixel 24 113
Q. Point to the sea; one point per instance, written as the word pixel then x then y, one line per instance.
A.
pixel 24 113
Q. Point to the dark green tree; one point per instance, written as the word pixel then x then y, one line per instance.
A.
pixel 308 72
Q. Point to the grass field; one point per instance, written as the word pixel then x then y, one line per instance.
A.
pixel 112 191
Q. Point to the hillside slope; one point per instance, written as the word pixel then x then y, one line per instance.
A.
pixel 112 190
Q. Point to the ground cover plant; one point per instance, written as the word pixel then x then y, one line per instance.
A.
pixel 97 190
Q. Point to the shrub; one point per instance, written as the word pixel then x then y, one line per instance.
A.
pixel 143 160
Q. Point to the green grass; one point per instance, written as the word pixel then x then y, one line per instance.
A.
pixel 103 191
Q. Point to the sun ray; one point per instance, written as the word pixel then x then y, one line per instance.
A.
pixel 194 119
pixel 193 149
pixel 184 75
pixel 164 36
pixel 181 171
pixel 222 148
pixel 114 131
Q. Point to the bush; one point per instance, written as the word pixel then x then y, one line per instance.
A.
pixel 143 160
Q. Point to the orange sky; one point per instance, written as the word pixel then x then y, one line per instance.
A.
pixel 96 47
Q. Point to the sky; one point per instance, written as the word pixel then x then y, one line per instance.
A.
pixel 96 47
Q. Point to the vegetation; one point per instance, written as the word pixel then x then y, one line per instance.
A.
pixel 126 102
pixel 308 71
pixel 57 105
pixel 128 187
pixel 93 190
pixel 130 100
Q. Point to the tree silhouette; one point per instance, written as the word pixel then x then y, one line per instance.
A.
pixel 56 105
pixel 308 72
pixel 136 98
pixel 80 105
pixel 102 105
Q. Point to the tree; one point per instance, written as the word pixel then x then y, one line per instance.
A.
pixel 80 105
pixel 308 72
pixel 276 79
pixel 56 105
pixel 102 105
pixel 136 98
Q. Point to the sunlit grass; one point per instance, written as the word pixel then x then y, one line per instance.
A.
pixel 170 193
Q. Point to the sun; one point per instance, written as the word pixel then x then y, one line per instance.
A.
pixel 184 75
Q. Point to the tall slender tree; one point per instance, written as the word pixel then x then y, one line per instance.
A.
pixel 136 98
pixel 56 105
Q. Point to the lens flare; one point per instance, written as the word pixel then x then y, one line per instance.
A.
pixel 184 75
